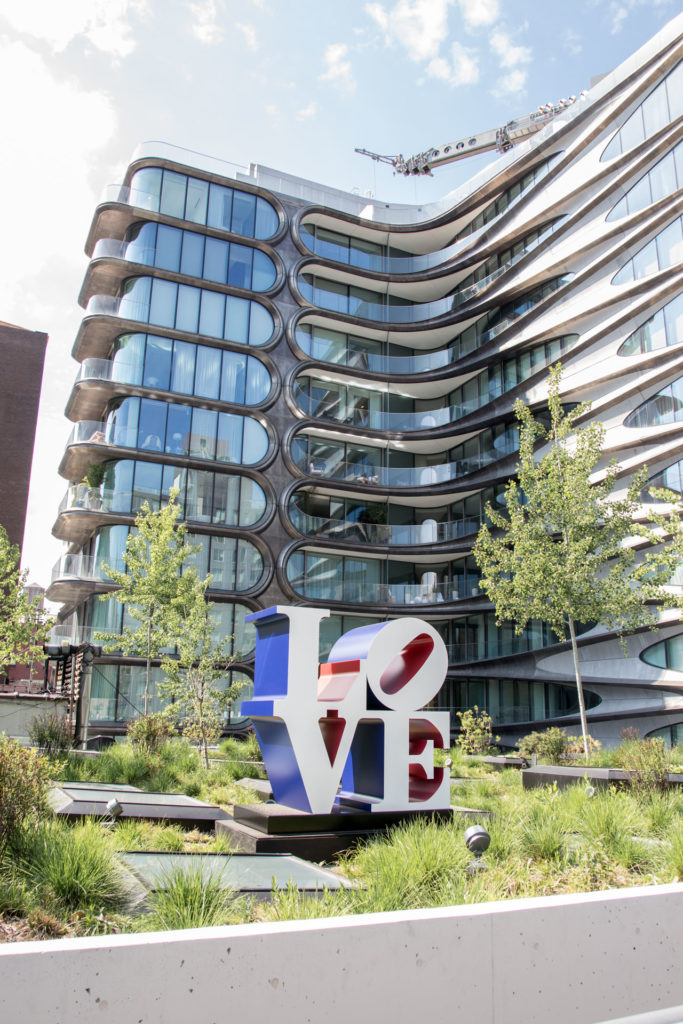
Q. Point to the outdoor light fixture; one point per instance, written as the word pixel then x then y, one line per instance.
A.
pixel 114 808
pixel 477 841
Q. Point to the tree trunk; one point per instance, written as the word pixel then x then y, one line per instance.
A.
pixel 148 664
pixel 579 688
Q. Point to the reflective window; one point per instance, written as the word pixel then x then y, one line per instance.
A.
pixel 662 329
pixel 512 700
pixel 665 654
pixel 670 479
pixel 358 252
pixel 235 563
pixel 196 310
pixel 476 637
pixel 157 426
pixel 203 496
pixel 662 106
pixel 159 245
pixel 664 407
pixel 662 252
pixel 348 578
pixel 188 198
pixel 190 369
pixel 671 734
pixel 507 197
pixel 665 178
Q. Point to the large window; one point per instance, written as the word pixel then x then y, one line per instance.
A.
pixel 187 252
pixel 665 654
pixel 117 693
pixel 203 202
pixel 512 700
pixel 670 478
pixel 204 497
pixel 663 329
pixel 196 310
pixel 664 251
pixel 189 369
pixel 156 426
pixel 323 577
pixel 664 407
pixel 662 106
pixel 228 619
pixel 665 178
pixel 235 563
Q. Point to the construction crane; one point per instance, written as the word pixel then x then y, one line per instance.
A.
pixel 501 139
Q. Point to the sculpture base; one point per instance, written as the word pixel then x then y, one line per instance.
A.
pixel 274 828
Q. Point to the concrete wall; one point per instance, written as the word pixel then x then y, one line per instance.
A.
pixel 17 713
pixel 565 959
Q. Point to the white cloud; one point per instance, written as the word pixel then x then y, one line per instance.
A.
pixel 338 68
pixel 619 10
pixel 461 69
pixel 310 111
pixel 249 34
pixel 420 26
pixel 272 110
pixel 54 132
pixel 510 84
pixel 572 42
pixel 106 24
pixel 508 54
pixel 478 13
pixel 205 25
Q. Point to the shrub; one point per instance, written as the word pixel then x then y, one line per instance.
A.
pixel 549 746
pixel 75 868
pixel 188 900
pixel 150 732
pixel 646 760
pixel 51 732
pixel 475 736
pixel 24 777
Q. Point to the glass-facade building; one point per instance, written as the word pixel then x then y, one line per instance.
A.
pixel 329 380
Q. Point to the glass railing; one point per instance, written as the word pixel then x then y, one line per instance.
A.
pixel 84 567
pixel 359 592
pixel 130 196
pixel 358 415
pixel 114 248
pixel 387 476
pixel 409 264
pixel 407 535
pixel 117 305
pixel 76 634
pixel 109 369
pixel 395 365
pixel 94 431
pixel 412 312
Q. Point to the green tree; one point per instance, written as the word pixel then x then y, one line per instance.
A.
pixel 193 685
pixel 568 547
pixel 24 625
pixel 152 583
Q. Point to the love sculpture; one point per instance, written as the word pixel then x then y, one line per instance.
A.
pixel 357 719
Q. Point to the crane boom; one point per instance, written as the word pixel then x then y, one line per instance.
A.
pixel 501 139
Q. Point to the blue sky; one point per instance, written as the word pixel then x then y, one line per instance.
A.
pixel 294 84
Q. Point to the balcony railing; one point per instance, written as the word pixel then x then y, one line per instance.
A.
pixel 85 567
pixel 418 311
pixel 360 592
pixel 331 468
pixel 408 535
pixel 357 414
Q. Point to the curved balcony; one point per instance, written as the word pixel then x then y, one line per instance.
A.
pixel 130 196
pixel 375 362
pixel 358 413
pixel 380 264
pixel 388 476
pixel 402 311
pixel 352 592
pixel 406 535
